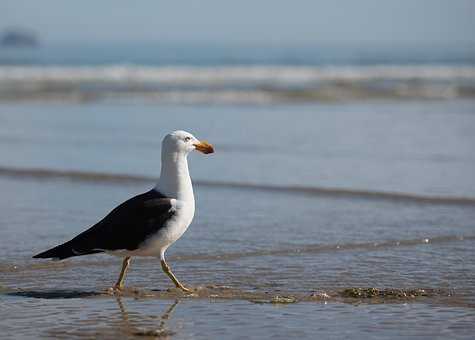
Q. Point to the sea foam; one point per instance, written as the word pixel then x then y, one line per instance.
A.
pixel 235 84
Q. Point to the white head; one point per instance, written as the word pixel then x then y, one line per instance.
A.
pixel 183 142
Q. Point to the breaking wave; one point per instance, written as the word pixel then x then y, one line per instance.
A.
pixel 235 84
pixel 86 176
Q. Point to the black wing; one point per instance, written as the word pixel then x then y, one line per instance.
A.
pixel 125 227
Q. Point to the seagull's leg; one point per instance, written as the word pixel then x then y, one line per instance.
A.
pixel 167 270
pixel 120 282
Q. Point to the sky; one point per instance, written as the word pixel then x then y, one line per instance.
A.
pixel 246 21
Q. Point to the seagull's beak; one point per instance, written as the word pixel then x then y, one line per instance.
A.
pixel 204 147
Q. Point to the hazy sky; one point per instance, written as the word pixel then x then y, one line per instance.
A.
pixel 276 21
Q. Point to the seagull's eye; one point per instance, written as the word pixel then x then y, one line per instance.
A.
pixel 187 139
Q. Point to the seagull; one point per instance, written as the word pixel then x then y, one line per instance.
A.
pixel 147 224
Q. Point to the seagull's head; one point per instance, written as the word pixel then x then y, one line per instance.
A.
pixel 184 142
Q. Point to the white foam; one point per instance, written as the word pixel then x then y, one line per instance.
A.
pixel 235 84
pixel 188 75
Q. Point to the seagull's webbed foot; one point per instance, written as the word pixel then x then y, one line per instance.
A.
pixel 115 290
pixel 185 289
pixel 178 284
pixel 118 288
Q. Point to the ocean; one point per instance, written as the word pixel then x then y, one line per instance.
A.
pixel 207 74
pixel 340 202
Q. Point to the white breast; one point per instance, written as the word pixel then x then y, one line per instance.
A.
pixel 174 182
pixel 172 231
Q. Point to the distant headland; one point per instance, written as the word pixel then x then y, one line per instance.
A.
pixel 16 37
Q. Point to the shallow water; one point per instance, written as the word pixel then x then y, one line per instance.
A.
pixel 423 147
pixel 273 232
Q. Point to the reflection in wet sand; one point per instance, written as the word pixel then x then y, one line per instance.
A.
pixel 140 312
pixel 161 331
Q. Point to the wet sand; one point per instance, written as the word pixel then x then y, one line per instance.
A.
pixel 215 311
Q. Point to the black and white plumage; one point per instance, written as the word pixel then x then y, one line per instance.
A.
pixel 124 229
pixel 147 224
